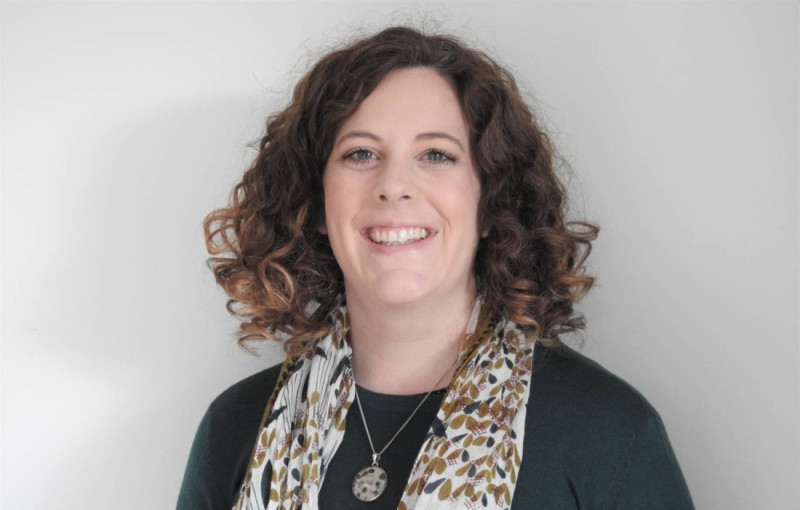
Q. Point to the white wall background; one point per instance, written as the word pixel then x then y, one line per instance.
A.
pixel 123 124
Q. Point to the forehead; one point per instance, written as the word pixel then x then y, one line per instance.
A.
pixel 408 101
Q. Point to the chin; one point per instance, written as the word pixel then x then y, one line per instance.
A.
pixel 402 290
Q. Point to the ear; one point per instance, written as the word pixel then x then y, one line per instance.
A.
pixel 322 228
pixel 485 233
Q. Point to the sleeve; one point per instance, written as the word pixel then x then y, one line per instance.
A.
pixel 199 487
pixel 651 477
pixel 224 443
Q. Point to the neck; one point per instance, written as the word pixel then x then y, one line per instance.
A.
pixel 410 348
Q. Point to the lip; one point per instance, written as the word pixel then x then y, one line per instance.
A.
pixel 394 225
pixel 384 249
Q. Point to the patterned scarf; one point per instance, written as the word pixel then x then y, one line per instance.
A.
pixel 469 459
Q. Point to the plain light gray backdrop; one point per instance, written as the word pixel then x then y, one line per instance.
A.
pixel 125 123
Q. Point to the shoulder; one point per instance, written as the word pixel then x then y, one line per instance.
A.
pixel 224 442
pixel 248 394
pixel 581 387
pixel 583 406
pixel 593 441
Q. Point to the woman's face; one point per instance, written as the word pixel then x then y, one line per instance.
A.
pixel 401 193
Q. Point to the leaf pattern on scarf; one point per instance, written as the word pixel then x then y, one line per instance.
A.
pixel 469 458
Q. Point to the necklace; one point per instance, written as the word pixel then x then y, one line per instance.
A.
pixel 370 482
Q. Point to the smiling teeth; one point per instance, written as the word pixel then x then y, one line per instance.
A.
pixel 395 237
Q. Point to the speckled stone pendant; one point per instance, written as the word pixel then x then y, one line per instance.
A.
pixel 369 483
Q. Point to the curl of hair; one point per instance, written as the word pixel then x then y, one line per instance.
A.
pixel 278 269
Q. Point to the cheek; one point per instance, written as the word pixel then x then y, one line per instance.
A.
pixel 330 195
pixel 472 213
pixel 462 212
pixel 330 200
pixel 464 199
pixel 339 201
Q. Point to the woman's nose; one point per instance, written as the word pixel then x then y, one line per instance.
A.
pixel 395 182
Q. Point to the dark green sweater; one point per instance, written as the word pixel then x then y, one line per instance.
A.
pixel 591 442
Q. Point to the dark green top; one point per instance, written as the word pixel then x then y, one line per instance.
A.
pixel 591 442
pixel 385 415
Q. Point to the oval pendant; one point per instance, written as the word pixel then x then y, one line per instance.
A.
pixel 369 483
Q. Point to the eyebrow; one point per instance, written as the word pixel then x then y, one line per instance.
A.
pixel 440 134
pixel 422 136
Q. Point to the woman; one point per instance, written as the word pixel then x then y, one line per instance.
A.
pixel 402 231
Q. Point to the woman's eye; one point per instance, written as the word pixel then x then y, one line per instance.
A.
pixel 359 156
pixel 439 157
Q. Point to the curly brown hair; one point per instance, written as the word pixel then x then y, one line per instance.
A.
pixel 278 269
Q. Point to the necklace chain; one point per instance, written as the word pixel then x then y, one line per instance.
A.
pixel 371 482
pixel 377 455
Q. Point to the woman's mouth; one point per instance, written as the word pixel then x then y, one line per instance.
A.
pixel 397 236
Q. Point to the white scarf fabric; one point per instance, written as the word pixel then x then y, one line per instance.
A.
pixel 469 459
